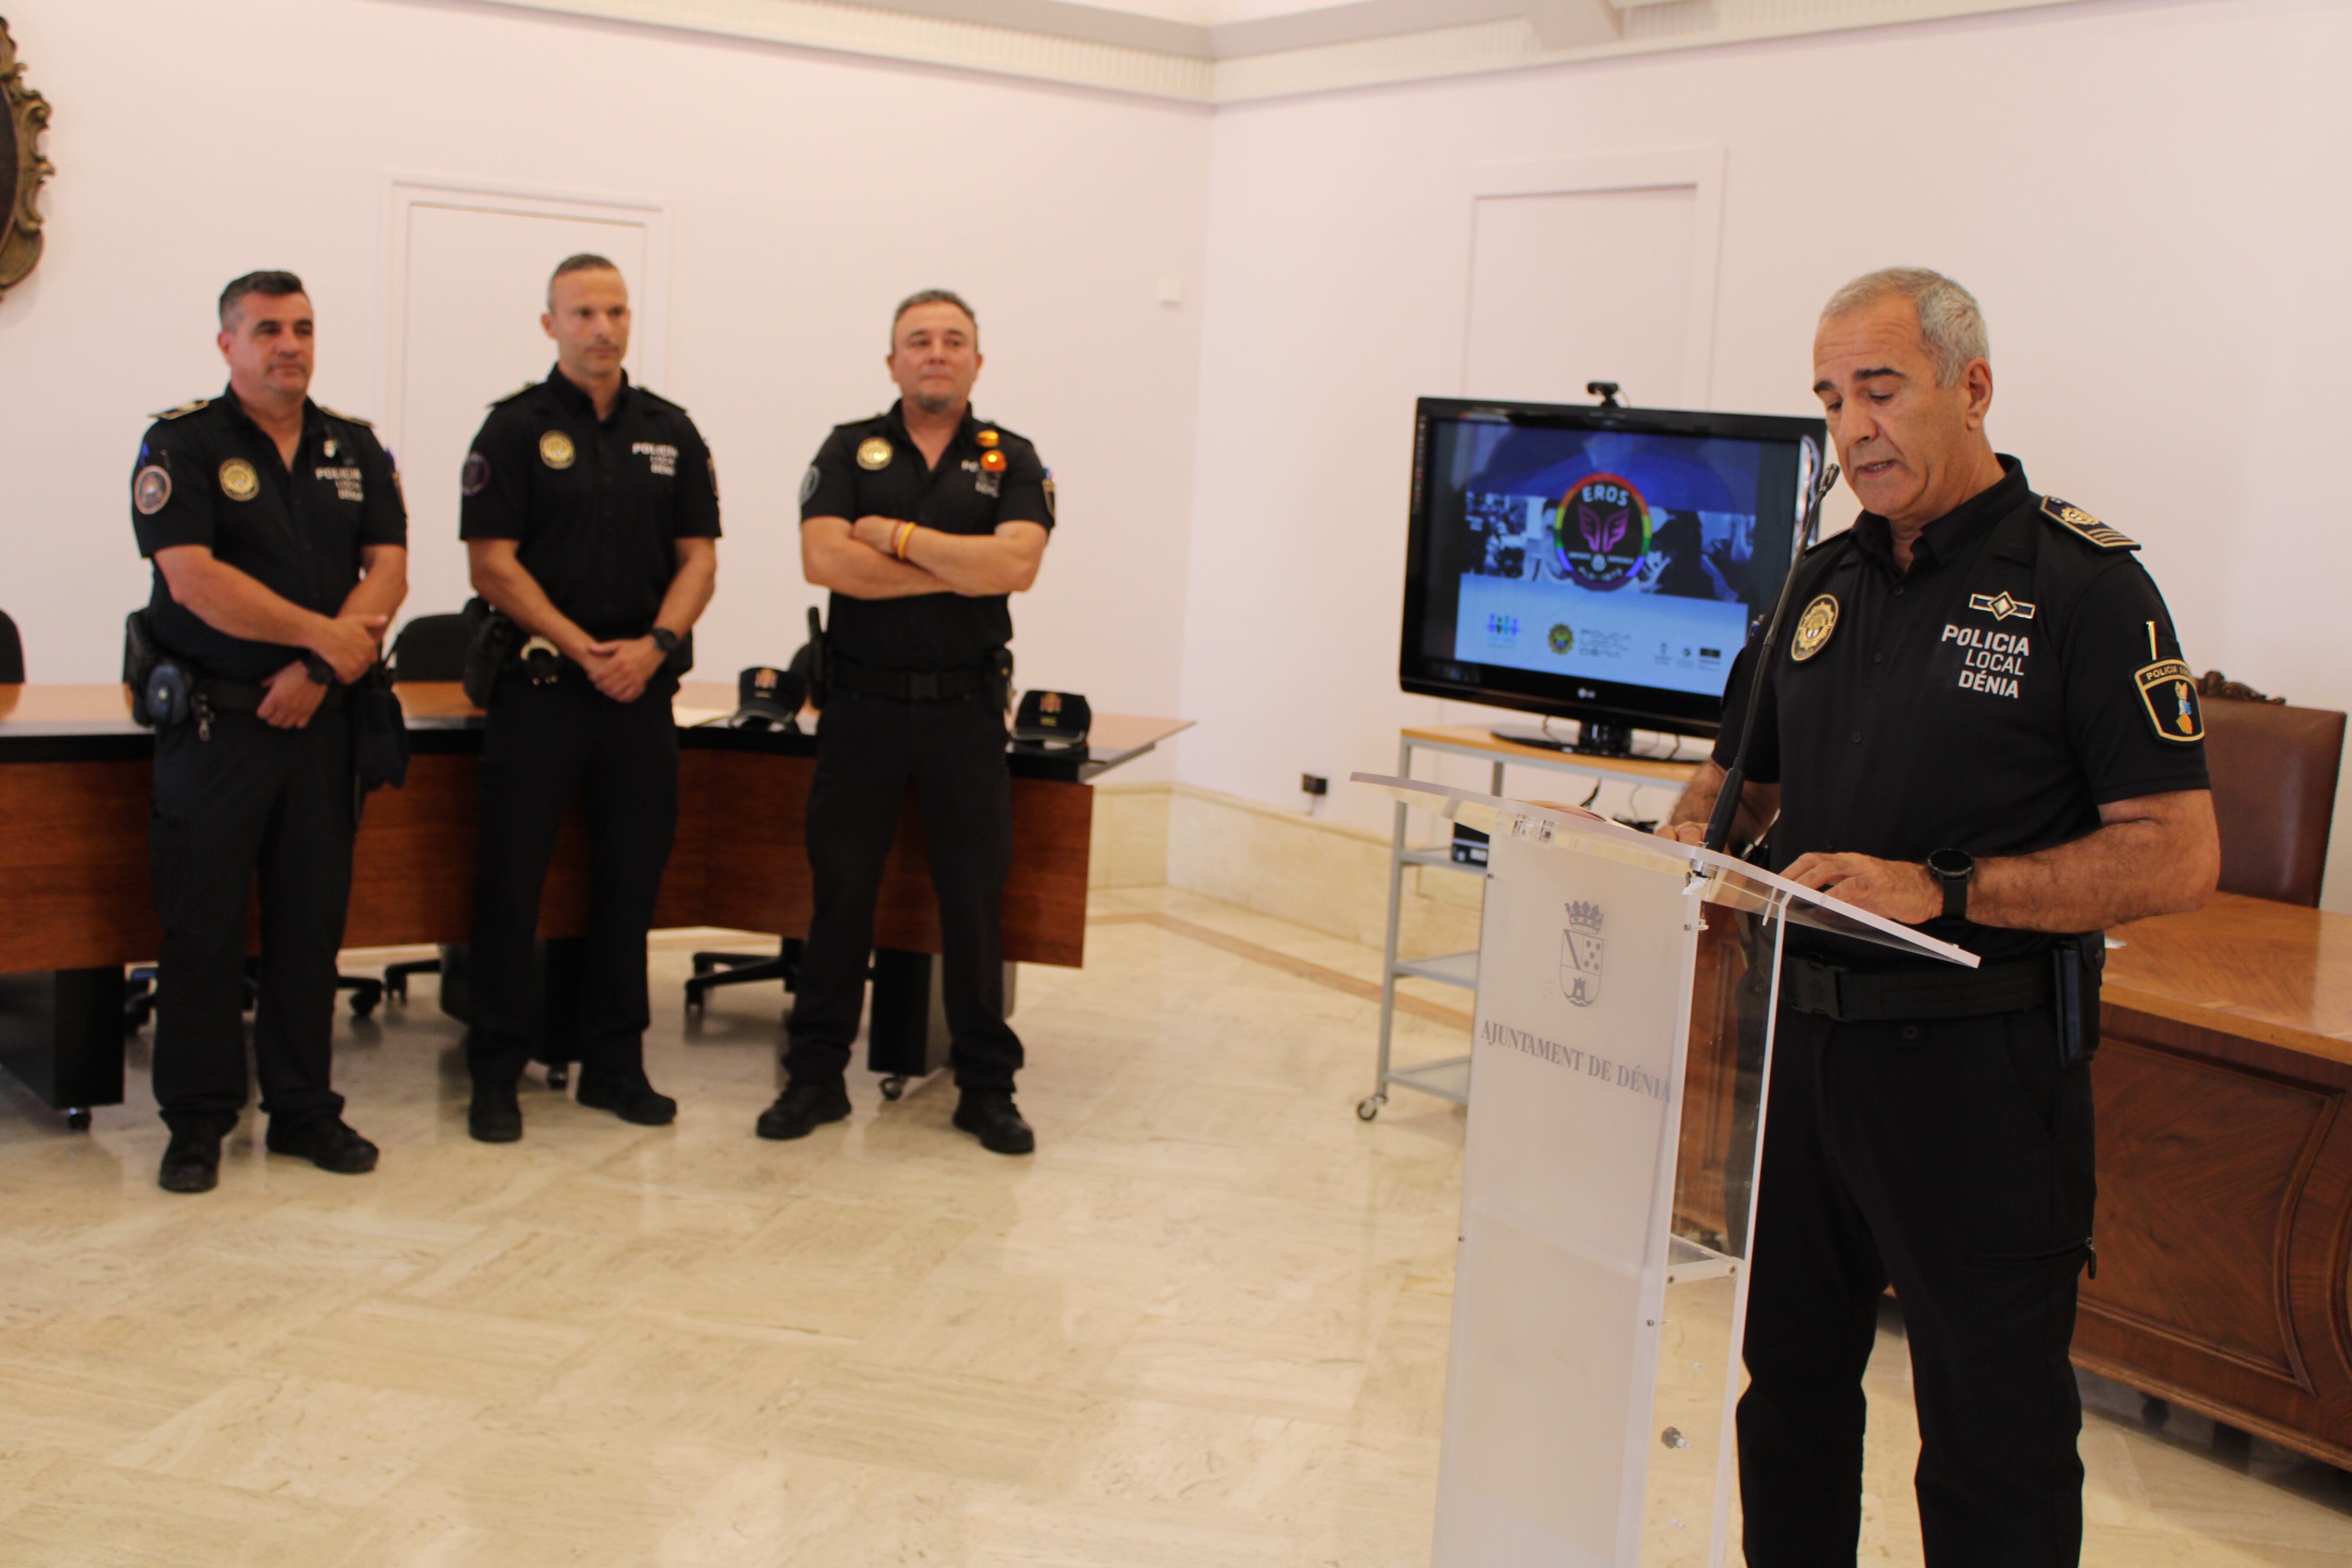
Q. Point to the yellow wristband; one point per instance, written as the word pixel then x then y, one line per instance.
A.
pixel 900 540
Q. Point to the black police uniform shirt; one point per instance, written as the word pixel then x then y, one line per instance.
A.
pixel 208 475
pixel 2022 674
pixel 597 506
pixel 872 468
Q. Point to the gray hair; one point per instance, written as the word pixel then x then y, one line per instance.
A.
pixel 1950 320
pixel 585 261
pixel 932 296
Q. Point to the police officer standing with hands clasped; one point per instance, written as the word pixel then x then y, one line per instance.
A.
pixel 1979 723
pixel 591 522
pixel 922 521
pixel 279 545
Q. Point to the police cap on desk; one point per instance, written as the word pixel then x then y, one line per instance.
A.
pixel 1053 719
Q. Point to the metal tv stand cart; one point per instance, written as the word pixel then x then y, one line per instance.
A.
pixel 1450 1077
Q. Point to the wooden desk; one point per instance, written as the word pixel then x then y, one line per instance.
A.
pixel 75 777
pixel 2225 1170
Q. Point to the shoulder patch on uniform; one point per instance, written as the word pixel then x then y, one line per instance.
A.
pixel 2086 526
pixel 346 418
pixel 184 410
pixel 2167 694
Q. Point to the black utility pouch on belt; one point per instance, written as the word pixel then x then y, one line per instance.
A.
pixel 495 639
pixel 161 688
pixel 2076 964
pixel 379 733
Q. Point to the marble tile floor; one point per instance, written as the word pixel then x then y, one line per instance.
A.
pixel 1204 1325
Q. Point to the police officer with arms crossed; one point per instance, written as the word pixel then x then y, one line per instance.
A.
pixel 590 519
pixel 922 521
pixel 1980 724
pixel 279 545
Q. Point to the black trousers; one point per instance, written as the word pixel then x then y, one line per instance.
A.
pixel 869 751
pixel 543 745
pixel 250 804
pixel 1953 1159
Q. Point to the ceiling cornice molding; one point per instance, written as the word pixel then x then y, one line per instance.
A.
pixel 1369 42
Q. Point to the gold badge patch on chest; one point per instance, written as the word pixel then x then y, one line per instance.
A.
pixel 2000 607
pixel 238 482
pixel 1813 628
pixel 2169 693
pixel 874 453
pixel 555 449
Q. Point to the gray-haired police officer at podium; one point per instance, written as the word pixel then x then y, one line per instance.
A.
pixel 1978 722
pixel 590 520
pixel 922 521
pixel 279 545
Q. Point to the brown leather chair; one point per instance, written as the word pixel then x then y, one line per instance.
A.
pixel 2274 770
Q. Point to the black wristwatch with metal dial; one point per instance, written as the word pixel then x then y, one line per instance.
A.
pixel 1954 870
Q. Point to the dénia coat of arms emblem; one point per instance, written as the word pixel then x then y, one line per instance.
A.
pixel 1580 954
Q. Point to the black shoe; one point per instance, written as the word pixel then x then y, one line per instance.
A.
pixel 991 1115
pixel 326 1143
pixel 191 1164
pixel 631 1099
pixel 802 1107
pixel 494 1116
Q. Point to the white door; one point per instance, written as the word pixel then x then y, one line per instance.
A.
pixel 470 284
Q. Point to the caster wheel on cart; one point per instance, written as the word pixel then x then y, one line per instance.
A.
pixel 1369 1106
pixel 78 1120
pixel 559 1075
pixel 893 1087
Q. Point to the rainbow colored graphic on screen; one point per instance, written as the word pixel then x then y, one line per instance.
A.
pixel 1602 532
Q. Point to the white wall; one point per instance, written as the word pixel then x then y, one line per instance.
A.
pixel 806 193
pixel 2146 196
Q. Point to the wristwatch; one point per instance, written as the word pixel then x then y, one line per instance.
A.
pixel 1955 869
pixel 665 639
pixel 318 669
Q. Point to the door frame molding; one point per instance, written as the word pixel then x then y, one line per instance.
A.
pixel 1698 169
pixel 403 194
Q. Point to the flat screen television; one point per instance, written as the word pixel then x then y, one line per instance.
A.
pixel 1597 563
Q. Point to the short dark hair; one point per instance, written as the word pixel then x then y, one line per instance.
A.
pixel 932 296
pixel 585 261
pixel 274 284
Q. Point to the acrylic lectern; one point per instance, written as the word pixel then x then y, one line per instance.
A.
pixel 1621 1048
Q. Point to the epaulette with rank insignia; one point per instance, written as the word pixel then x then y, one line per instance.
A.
pixel 184 409
pixel 346 418
pixel 510 396
pixel 853 424
pixel 2086 526
pixel 658 400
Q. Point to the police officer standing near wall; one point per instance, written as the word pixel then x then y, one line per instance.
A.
pixel 922 521
pixel 1980 723
pixel 591 521
pixel 279 545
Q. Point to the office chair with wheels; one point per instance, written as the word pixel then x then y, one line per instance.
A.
pixel 429 648
pixel 2274 772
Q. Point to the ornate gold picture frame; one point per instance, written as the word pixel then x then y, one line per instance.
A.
pixel 22 167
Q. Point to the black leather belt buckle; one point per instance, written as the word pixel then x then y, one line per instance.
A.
pixel 1813 988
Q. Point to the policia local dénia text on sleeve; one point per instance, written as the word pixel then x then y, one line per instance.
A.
pixel 1978 722
pixel 279 545
pixel 922 521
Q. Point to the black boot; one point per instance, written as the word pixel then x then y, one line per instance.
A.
pixel 628 1096
pixel 327 1142
pixel 991 1115
pixel 802 1107
pixel 191 1164
pixel 495 1116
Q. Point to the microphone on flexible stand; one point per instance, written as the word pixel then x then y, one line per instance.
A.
pixel 1727 805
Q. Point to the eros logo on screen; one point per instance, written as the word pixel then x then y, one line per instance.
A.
pixel 1602 531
